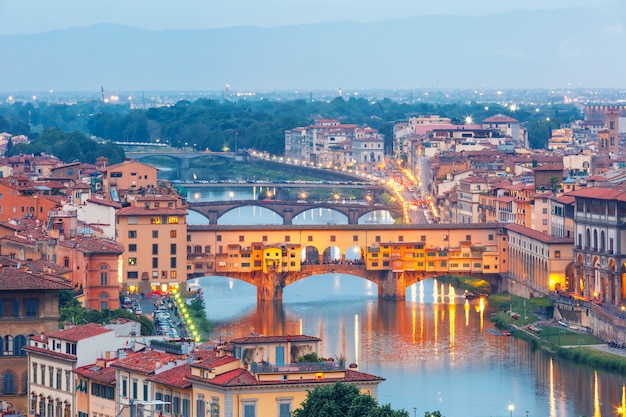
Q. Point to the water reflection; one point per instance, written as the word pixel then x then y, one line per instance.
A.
pixel 432 357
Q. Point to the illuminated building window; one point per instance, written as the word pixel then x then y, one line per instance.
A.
pixel 132 261
pixel 557 253
pixel 155 220
pixel 172 220
pixel 172 233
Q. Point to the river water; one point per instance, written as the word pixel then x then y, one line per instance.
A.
pixel 433 349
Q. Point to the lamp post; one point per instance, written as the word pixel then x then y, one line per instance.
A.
pixel 414 411
pixel 511 408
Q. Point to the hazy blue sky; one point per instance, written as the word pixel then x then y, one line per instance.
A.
pixel 31 16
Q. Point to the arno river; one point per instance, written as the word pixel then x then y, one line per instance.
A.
pixel 433 349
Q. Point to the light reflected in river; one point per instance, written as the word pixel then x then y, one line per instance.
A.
pixel 433 350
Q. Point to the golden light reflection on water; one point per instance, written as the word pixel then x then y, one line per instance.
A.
pixel 481 308
pixel 430 346
pixel 596 396
pixel 452 321
pixel 466 307
pixel 356 338
pixel 552 399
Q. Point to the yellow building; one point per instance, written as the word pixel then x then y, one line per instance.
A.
pixel 264 378
pixel 432 248
pixel 95 390
pixel 153 230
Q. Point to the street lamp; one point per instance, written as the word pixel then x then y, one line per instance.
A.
pixel 511 408
pixel 414 411
pixel 231 194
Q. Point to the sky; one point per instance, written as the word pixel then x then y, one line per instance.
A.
pixel 35 16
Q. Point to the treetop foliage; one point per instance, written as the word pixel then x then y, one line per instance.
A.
pixel 216 125
pixel 343 400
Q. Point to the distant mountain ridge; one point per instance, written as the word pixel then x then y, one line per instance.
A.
pixel 530 49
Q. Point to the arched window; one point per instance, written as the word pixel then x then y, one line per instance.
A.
pixel 602 241
pixel 8 345
pixel 18 344
pixel 104 275
pixel 588 242
pixel 8 382
pixel 595 240
pixel 104 301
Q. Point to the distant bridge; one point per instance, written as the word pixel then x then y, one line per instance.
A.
pixel 287 210
pixel 183 158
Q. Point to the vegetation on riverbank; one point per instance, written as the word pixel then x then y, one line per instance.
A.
pixel 464 282
pixel 565 343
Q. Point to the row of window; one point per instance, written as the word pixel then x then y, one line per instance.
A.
pixel 55 377
pixel 132 234
pixel 155 274
pixel 12 346
pixel 333 238
pixel 14 308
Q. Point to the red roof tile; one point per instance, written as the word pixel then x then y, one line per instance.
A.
pixel 175 377
pixel 77 333
pixel 12 279
pixel 97 373
pixel 534 234
pixel 146 361
pixel 500 118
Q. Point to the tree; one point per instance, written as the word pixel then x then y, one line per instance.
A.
pixel 343 400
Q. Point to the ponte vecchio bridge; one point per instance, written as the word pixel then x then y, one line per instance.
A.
pixel 213 210
pixel 391 256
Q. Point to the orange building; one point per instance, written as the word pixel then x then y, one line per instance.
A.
pixel 20 199
pixel 153 230
pixel 29 305
pixel 94 264
pixel 128 176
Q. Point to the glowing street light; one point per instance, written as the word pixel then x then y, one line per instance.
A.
pixel 511 408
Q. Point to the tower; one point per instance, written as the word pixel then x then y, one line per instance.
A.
pixel 612 122
pixel 608 138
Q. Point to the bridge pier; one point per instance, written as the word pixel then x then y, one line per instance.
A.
pixel 392 285
pixel 213 216
pixel 183 169
pixel 269 286
pixel 288 216
pixel 353 216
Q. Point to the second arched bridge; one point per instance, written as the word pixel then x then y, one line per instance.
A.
pixel 287 210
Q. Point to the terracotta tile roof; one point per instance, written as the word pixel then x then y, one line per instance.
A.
pixel 541 237
pixel 49 352
pixel 213 361
pixel 103 202
pixel 126 162
pixel 241 378
pixel 274 339
pixel 175 377
pixel 500 118
pixel 78 333
pixel 601 193
pixel 146 361
pixel 88 244
pixel 97 373
pixel 12 279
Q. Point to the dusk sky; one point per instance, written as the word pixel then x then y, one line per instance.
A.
pixel 33 16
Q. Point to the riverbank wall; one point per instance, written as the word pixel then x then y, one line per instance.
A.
pixel 597 319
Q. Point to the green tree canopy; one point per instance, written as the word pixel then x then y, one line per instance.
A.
pixel 343 400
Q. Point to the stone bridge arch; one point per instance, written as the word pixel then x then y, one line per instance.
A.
pixel 287 210
pixel 391 285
